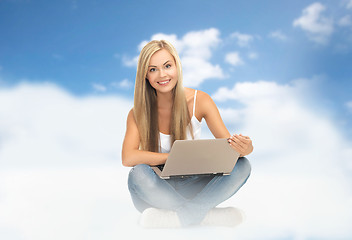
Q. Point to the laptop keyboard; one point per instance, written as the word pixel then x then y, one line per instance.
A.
pixel 161 166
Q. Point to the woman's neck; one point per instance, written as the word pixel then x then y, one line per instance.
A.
pixel 165 100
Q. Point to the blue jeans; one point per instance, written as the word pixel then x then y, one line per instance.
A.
pixel 191 197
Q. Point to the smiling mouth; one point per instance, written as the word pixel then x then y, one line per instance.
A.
pixel 164 82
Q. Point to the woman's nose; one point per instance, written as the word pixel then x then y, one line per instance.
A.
pixel 162 73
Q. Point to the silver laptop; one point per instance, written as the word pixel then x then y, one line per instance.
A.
pixel 194 157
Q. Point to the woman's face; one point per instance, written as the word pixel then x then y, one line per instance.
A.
pixel 162 71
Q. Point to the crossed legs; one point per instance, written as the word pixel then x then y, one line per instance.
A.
pixel 191 198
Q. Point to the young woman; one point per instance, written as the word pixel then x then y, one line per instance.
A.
pixel 165 111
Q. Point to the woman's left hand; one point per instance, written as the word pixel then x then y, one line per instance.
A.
pixel 242 144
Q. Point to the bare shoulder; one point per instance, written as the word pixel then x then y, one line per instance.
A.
pixel 204 100
pixel 130 113
pixel 203 96
pixel 130 116
pixel 205 104
pixel 189 94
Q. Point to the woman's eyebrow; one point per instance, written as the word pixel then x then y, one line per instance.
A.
pixel 166 62
pixel 156 66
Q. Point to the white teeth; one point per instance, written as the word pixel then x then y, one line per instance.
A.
pixel 164 82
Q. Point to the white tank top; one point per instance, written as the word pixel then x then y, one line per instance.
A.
pixel 165 140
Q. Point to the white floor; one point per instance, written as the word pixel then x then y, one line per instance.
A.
pixel 94 203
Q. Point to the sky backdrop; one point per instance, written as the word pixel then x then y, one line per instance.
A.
pixel 279 71
pixel 88 47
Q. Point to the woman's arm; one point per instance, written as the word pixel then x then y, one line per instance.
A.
pixel 208 110
pixel 131 155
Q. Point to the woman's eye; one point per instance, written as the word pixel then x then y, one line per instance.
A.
pixel 152 70
pixel 168 66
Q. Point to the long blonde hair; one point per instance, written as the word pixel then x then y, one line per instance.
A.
pixel 145 101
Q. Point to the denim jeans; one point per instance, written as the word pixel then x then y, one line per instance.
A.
pixel 190 197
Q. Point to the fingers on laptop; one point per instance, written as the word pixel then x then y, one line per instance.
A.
pixel 239 142
pixel 236 143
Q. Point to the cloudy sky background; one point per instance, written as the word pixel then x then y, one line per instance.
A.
pixel 279 71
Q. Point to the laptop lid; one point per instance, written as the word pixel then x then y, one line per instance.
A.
pixel 201 156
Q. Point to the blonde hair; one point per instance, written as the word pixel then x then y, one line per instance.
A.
pixel 145 101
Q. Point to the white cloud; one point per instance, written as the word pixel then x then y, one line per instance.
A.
pixel 200 43
pixel 130 62
pixel 172 38
pixel 231 115
pixel 61 176
pixel 349 4
pixel 64 203
pixel 345 21
pixel 301 163
pixel 44 125
pixel 195 49
pixel 243 40
pixel 125 83
pixel 318 27
pixel 253 55
pixel 196 70
pixel 278 35
pixel 247 91
pixel 234 59
pixel 349 105
pixel 99 87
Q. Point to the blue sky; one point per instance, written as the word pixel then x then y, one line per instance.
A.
pixel 81 44
pixel 279 71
